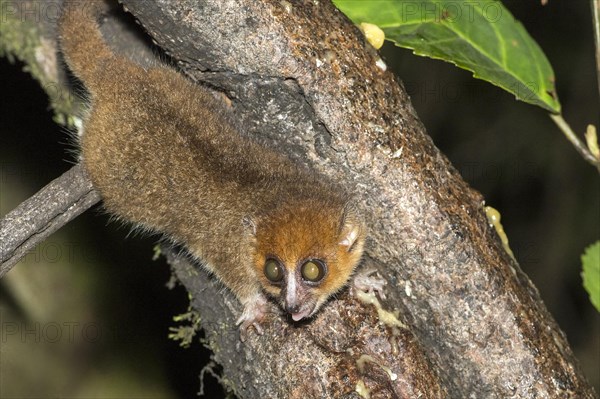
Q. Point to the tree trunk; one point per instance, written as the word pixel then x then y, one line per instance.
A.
pixel 469 323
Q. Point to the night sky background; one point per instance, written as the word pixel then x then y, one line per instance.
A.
pixel 94 276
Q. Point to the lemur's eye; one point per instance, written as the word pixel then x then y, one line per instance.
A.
pixel 273 270
pixel 313 270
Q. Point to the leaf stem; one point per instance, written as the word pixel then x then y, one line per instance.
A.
pixel 577 143
pixel 596 21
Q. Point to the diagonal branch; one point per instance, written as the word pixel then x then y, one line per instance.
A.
pixel 329 104
pixel 301 75
pixel 34 220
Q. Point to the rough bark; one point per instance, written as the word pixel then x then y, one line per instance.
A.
pixel 301 76
pixel 34 220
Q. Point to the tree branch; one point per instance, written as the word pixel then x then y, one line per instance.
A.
pixel 479 319
pixel 301 75
pixel 36 219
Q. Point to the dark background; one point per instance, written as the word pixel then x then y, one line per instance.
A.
pixel 96 276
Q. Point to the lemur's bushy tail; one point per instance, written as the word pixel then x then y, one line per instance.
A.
pixel 81 41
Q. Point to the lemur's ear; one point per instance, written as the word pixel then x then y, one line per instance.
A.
pixel 350 227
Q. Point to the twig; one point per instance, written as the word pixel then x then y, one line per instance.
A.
pixel 577 143
pixel 41 215
pixel 560 121
pixel 596 22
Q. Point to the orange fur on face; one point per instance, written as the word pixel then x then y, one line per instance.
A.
pixel 310 229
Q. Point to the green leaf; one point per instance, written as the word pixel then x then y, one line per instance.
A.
pixel 591 273
pixel 480 36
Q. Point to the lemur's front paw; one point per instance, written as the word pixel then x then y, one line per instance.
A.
pixel 369 281
pixel 252 315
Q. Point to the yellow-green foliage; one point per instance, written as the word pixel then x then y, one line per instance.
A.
pixel 21 39
pixel 591 273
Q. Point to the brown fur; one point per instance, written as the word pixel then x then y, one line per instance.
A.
pixel 160 152
pixel 310 228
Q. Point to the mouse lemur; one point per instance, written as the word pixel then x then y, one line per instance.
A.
pixel 163 157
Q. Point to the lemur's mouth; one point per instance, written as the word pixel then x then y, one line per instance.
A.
pixel 301 314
